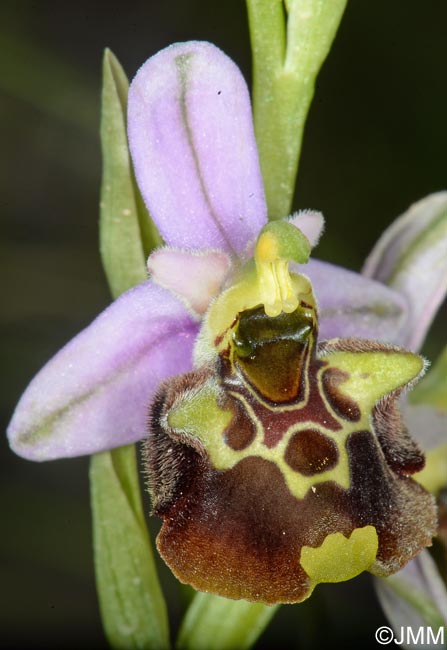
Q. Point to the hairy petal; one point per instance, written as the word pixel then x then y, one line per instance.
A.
pixel 311 223
pixel 350 305
pixel 193 147
pixel 195 276
pixel 411 257
pixel 94 394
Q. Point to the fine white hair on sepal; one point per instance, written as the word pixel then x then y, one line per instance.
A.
pixel 311 224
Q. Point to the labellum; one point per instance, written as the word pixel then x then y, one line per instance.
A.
pixel 281 462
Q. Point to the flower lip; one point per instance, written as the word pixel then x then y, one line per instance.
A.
pixel 229 430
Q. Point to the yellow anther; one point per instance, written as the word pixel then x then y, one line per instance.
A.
pixel 275 284
pixel 267 248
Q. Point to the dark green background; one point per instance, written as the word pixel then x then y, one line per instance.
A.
pixel 375 143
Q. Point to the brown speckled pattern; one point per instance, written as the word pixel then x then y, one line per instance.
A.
pixel 238 532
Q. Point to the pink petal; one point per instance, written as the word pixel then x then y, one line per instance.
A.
pixel 351 305
pixel 202 274
pixel 193 147
pixel 411 257
pixel 311 223
pixel 95 393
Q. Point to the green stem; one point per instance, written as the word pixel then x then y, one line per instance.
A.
pixel 214 623
pixel 290 43
pixel 133 610
pixel 286 61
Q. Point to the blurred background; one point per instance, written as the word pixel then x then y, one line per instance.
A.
pixel 375 142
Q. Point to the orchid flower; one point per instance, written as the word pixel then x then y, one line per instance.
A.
pixel 276 456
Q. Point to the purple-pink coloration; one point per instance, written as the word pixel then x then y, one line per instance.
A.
pixel 351 305
pixel 194 151
pixel 94 392
pixel 417 271
pixel 203 274
pixel 192 143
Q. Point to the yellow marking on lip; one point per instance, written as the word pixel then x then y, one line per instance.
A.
pixel 341 558
pixel 203 418
pixel 374 374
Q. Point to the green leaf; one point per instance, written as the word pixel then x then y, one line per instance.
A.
pixel 131 602
pixel 215 623
pixel 127 233
pixel 286 60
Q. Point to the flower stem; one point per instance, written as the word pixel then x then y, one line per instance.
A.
pixel 215 623
pixel 132 606
pixel 290 42
pixel 286 61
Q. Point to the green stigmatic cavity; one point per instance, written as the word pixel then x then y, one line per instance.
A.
pixel 279 463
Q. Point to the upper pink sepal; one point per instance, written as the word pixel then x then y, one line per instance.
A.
pixel 311 224
pixel 193 147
